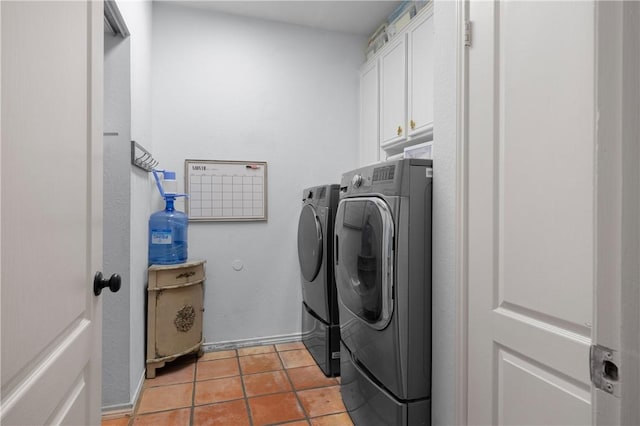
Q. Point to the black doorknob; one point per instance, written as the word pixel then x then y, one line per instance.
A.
pixel 99 283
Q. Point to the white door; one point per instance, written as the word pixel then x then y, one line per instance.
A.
pixel 51 218
pixel 531 218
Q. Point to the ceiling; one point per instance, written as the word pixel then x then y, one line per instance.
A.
pixel 361 17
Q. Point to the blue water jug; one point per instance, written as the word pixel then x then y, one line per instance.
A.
pixel 167 228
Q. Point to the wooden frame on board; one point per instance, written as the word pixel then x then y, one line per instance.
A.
pixel 226 190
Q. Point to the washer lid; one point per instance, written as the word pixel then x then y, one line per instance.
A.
pixel 309 243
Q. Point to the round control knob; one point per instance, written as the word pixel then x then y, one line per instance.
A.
pixel 356 181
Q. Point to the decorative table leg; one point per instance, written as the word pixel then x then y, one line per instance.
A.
pixel 151 371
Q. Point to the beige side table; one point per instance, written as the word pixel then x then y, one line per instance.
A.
pixel 174 312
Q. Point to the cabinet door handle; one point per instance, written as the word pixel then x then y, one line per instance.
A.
pixel 413 124
pixel 399 130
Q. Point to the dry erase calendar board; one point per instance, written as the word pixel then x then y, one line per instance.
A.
pixel 226 190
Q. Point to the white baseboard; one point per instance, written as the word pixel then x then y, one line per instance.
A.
pixel 138 392
pixel 117 410
pixel 256 341
pixel 126 409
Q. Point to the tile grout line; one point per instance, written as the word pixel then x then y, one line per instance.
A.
pixel 316 387
pixel 244 390
pixel 193 392
pixel 236 356
pixel 295 392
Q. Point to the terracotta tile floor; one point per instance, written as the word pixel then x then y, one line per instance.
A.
pixel 257 386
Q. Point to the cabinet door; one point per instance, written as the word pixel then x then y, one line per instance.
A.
pixel 393 91
pixel 369 114
pixel 420 77
pixel 178 320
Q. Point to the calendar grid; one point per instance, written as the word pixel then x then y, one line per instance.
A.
pixel 233 192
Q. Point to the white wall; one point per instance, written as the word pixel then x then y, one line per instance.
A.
pixel 444 295
pixel 116 225
pixel 127 208
pixel 231 88
pixel 137 14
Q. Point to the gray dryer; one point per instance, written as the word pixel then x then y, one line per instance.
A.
pixel 383 277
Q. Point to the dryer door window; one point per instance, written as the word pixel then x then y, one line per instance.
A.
pixel 364 259
pixel 309 243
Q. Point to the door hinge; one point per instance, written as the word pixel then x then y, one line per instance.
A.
pixel 467 33
pixel 604 371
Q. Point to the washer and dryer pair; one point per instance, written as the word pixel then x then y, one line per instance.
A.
pixel 380 251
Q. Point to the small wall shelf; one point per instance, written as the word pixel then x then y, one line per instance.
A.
pixel 142 158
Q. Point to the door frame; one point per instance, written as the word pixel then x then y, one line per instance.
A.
pixel 461 238
pixel 95 127
pixel 616 163
pixel 461 220
pixel 617 207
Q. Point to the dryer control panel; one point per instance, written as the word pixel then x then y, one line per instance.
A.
pixel 384 173
pixel 383 178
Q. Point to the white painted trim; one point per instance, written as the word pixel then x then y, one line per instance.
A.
pixel 461 238
pixel 119 410
pixel 607 196
pixel 115 411
pixel 616 306
pixel 114 18
pixel 138 392
pixel 1 171
pixel 630 274
pixel 256 341
pixel 95 219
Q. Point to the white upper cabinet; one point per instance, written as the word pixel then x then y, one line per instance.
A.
pixel 393 91
pixel 420 78
pixel 369 109
pixel 397 82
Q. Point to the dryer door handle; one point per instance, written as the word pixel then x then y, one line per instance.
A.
pixel 337 246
